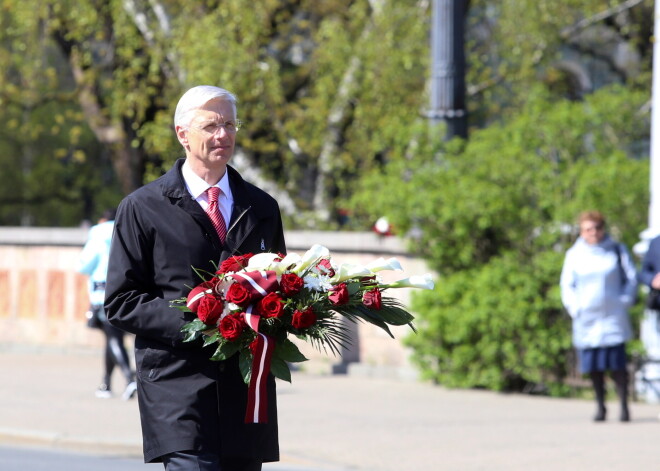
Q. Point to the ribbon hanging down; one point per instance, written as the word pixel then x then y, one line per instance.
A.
pixel 257 404
pixel 258 284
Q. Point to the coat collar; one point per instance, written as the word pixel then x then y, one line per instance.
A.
pixel 245 214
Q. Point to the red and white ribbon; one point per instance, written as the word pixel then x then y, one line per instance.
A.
pixel 257 404
pixel 252 319
pixel 258 283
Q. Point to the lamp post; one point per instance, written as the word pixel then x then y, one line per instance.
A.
pixel 448 67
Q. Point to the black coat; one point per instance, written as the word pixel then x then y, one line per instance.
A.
pixel 186 400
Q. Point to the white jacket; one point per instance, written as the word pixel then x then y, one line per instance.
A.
pixel 597 292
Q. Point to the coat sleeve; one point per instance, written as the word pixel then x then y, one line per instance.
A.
pixel 651 263
pixel 568 285
pixel 133 303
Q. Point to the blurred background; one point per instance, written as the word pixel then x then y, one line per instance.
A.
pixel 477 130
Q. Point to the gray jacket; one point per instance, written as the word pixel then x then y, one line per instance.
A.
pixel 598 287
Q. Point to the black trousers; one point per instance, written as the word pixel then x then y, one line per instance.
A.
pixel 195 461
pixel 115 354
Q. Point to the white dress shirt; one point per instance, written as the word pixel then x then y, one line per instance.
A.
pixel 197 188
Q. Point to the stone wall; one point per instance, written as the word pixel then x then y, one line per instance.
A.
pixel 44 300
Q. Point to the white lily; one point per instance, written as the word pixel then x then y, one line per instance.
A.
pixel 415 281
pixel 348 270
pixel 287 261
pixel 313 255
pixel 261 261
pixel 382 264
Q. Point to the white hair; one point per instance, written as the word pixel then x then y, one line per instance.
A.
pixel 197 97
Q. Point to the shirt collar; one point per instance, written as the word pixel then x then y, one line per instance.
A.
pixel 197 186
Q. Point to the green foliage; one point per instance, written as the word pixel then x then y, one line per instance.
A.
pixel 494 216
pixel 313 88
pixel 514 185
pixel 497 326
pixel 54 173
pixel 288 351
pixel 330 91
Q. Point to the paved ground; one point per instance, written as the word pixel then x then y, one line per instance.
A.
pixel 341 423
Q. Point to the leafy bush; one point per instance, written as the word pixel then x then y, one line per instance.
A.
pixel 497 326
pixel 495 215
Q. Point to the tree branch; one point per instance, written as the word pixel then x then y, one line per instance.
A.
pixel 140 16
pixel 586 22
pixel 251 173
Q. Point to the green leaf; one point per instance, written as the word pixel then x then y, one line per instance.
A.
pixel 245 366
pixel 288 351
pixel 280 369
pixel 353 287
pixel 394 314
pixel 194 326
pixel 210 339
pixel 225 350
pixel 365 314
pixel 182 308
pixel 192 335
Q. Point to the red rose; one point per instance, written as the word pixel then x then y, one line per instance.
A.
pixel 231 326
pixel 234 264
pixel 238 294
pixel 339 294
pixel 303 319
pixel 209 309
pixel 372 299
pixel 326 267
pixel 271 306
pixel 291 284
pixel 196 294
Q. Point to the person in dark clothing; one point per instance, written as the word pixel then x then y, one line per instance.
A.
pixel 195 216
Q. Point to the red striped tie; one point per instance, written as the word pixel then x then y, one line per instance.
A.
pixel 214 212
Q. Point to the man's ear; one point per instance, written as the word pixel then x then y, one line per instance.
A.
pixel 182 135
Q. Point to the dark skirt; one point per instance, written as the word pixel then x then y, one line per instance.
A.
pixel 602 359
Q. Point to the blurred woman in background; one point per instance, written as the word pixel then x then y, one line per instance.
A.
pixel 598 286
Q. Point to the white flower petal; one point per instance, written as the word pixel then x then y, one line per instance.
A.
pixel 348 270
pixel 261 261
pixel 415 281
pixel 311 257
pixel 382 264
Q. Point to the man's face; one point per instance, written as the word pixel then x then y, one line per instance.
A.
pixel 592 232
pixel 205 141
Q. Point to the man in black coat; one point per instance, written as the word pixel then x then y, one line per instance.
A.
pixel 192 409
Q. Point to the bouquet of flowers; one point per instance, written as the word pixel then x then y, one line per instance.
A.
pixel 252 303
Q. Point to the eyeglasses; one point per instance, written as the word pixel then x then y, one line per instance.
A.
pixel 230 127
